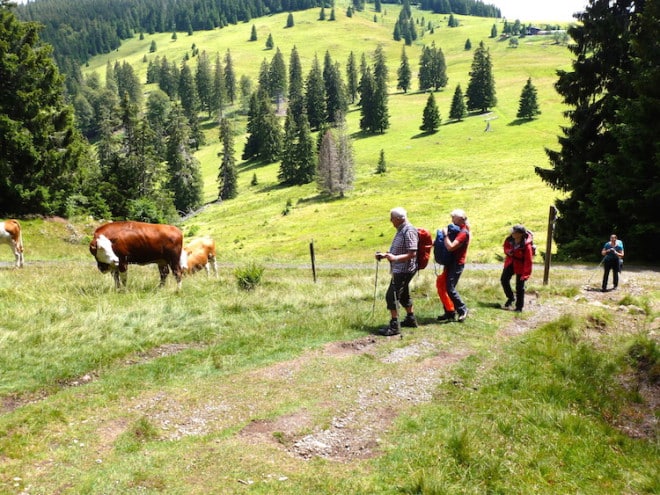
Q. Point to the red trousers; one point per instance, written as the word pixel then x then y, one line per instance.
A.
pixel 441 286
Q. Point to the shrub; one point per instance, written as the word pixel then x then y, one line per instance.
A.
pixel 249 276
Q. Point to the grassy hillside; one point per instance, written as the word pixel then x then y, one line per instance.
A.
pixel 489 174
pixel 286 389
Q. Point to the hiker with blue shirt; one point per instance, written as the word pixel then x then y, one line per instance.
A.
pixel 613 259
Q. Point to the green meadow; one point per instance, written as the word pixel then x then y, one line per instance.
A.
pixel 488 174
pixel 287 388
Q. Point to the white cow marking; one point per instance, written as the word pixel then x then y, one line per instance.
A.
pixel 104 252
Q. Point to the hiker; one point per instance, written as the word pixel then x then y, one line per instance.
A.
pixel 613 259
pixel 444 257
pixel 403 266
pixel 458 247
pixel 519 252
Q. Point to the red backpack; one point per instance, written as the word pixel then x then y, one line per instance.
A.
pixel 424 246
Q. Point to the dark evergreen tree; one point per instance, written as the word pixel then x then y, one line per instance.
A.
pixel 188 93
pixel 481 88
pixel 264 130
pixel 404 74
pixel 351 77
pixel 43 156
pixel 227 176
pixel 457 110
pixel 528 106
pixel 381 112
pixel 335 93
pixel 219 93
pixel 296 105
pixel 157 114
pixel 204 83
pixel 431 115
pixel 493 31
pixel 270 44
pixel 289 20
pixel 315 96
pixel 185 178
pixel 468 45
pixel 298 165
pixel 277 76
pixel 607 167
pixel 230 78
pixel 381 168
pixel 253 33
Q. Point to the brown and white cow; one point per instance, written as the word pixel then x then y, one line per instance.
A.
pixel 10 233
pixel 117 244
pixel 201 254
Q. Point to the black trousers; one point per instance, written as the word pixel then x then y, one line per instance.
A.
pixel 613 265
pixel 505 280
pixel 399 285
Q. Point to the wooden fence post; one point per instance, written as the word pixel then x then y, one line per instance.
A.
pixel 311 253
pixel 552 216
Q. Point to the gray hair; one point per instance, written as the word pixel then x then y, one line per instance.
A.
pixel 399 213
pixel 459 213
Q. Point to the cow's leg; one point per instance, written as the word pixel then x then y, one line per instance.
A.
pixel 214 265
pixel 164 271
pixel 115 275
pixel 18 256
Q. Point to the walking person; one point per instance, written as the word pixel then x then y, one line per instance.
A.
pixel 402 256
pixel 458 247
pixel 613 258
pixel 444 257
pixel 519 252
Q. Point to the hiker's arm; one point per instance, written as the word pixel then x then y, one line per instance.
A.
pixel 398 258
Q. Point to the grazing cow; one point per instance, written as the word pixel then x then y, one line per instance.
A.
pixel 10 233
pixel 117 244
pixel 201 253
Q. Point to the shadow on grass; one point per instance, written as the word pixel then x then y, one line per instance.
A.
pixel 518 122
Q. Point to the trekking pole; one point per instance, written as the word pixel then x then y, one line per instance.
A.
pixel 373 308
pixel 595 270
pixel 396 305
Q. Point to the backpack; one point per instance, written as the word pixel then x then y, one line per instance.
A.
pixel 424 245
pixel 441 254
pixel 529 235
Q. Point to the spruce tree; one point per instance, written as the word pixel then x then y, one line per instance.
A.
pixel 528 106
pixel 277 76
pixel 431 115
pixel 607 165
pixel 315 96
pixel 219 93
pixel 185 177
pixel 227 176
pixel 204 83
pixel 404 74
pixel 351 77
pixel 253 33
pixel 481 88
pixel 230 78
pixel 457 110
pixel 289 20
pixel 42 154
pixel 335 92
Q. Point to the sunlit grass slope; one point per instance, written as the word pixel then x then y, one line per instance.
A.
pixel 489 174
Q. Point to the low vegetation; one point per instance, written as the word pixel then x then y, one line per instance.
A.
pixel 287 388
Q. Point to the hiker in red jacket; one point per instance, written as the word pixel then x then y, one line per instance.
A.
pixel 518 251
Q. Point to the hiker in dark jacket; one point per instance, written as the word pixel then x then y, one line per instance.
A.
pixel 518 252
pixel 458 247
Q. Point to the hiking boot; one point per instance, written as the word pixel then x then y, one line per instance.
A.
pixel 389 330
pixel 447 317
pixel 509 303
pixel 409 321
pixel 463 315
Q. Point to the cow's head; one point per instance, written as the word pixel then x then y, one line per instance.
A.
pixel 101 249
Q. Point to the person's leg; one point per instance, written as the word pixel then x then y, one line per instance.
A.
pixel 505 280
pixel 606 275
pixel 520 293
pixel 453 276
pixel 615 273
pixel 441 287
